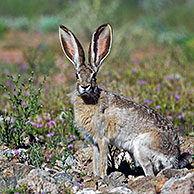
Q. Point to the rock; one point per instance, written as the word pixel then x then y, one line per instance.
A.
pixel 3 186
pixel 22 170
pixel 169 173
pixel 120 190
pixel 84 160
pixel 62 177
pixel 70 161
pixel 88 191
pixel 115 179
pixel 92 182
pixel 150 185
pixel 40 180
pixel 12 172
pixel 2 153
pixel 10 182
pixel 117 190
pixel 179 185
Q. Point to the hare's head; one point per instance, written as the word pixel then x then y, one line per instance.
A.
pixel 99 49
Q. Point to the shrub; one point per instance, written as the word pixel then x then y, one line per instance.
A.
pixel 24 106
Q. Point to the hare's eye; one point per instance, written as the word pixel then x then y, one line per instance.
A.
pixel 94 78
pixel 77 76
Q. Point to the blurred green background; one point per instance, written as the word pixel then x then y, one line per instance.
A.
pixel 166 20
pixel 153 41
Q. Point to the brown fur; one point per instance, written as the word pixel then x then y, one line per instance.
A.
pixel 105 118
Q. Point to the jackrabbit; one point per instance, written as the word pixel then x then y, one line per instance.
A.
pixel 105 118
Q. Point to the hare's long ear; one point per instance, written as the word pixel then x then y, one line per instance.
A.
pixel 100 46
pixel 71 47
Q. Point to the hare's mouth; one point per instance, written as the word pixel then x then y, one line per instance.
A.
pixel 84 93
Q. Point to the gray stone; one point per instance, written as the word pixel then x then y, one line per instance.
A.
pixel 41 181
pixel 62 177
pixel 70 161
pixel 179 185
pixel 116 179
pixel 88 191
pixel 120 190
pixel 169 173
pixel 3 186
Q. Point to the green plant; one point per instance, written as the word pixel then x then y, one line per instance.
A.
pixel 23 190
pixel 24 106
pixel 35 154
pixel 2 29
pixel 69 117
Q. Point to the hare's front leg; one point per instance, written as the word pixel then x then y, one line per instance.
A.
pixel 96 160
pixel 103 146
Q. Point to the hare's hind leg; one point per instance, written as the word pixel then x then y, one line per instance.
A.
pixel 143 154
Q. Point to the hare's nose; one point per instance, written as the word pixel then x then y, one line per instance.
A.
pixel 85 87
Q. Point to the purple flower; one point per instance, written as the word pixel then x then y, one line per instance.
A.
pixel 176 96
pixel 51 123
pixel 185 107
pixel 181 139
pixel 51 134
pixel 14 106
pixel 72 136
pixel 135 61
pixel 47 159
pixel 23 103
pixel 80 184
pixel 70 146
pixel 27 93
pixel 14 129
pixel 158 107
pixel 6 106
pixel 143 82
pixel 17 193
pixel 134 69
pixel 169 77
pixel 39 125
pixel 32 123
pixel 107 77
pixel 181 116
pixel 14 93
pixel 8 82
pixel 42 46
pixel 17 153
pixel 5 71
pixel 170 117
pixel 189 151
pixel 23 66
pixel 148 102
pixel 158 85
pixel 30 187
pixel 73 75
pixel 12 86
pixel 12 121
pixel 27 122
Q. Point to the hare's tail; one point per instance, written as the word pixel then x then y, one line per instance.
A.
pixel 184 159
